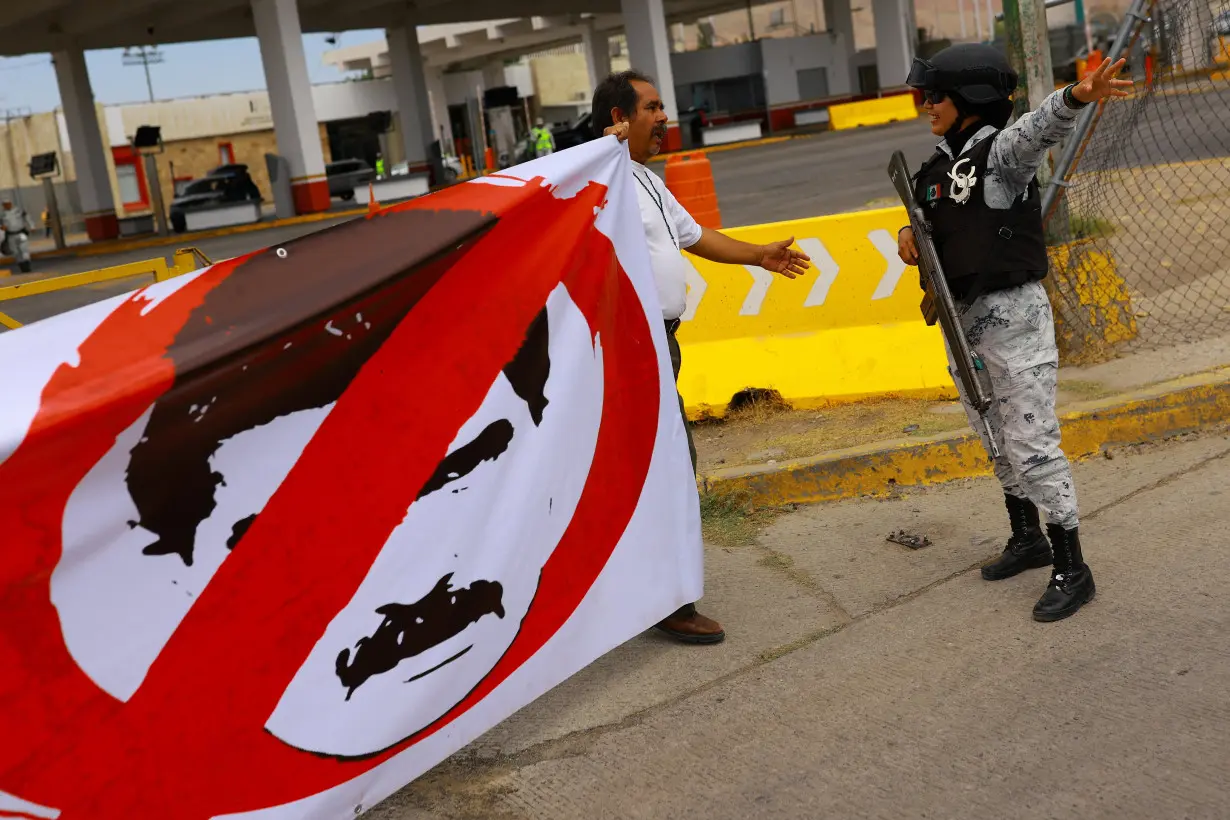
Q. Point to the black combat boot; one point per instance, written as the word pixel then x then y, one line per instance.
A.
pixel 1071 584
pixel 1027 548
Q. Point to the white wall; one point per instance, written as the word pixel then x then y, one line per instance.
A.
pixel 344 101
pixel 778 59
pixel 459 86
pixel 708 64
pixel 783 58
pixel 519 75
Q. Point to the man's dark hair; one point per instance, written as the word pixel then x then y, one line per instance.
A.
pixel 615 91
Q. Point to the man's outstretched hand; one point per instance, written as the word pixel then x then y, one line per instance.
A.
pixel 779 257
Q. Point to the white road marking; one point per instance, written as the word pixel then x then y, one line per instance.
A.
pixel 696 291
pixel 886 244
pixel 760 286
pixel 825 266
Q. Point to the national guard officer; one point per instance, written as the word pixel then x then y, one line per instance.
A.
pixel 544 142
pixel 979 193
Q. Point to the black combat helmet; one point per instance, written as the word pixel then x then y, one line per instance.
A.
pixel 976 71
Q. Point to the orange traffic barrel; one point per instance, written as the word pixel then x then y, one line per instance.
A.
pixel 690 178
pixel 1092 62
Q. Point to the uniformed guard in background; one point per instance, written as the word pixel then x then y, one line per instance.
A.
pixel 979 193
pixel 544 142
pixel 15 227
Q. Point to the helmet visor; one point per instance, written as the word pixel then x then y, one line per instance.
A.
pixel 922 75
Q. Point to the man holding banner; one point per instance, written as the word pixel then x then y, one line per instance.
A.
pixel 628 106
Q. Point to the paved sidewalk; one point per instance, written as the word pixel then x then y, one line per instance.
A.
pixel 865 680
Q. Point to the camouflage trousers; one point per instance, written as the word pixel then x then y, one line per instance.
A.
pixel 1013 332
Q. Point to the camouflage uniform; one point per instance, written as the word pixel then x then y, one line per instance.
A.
pixel 1013 332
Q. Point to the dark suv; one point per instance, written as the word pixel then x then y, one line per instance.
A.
pixel 228 183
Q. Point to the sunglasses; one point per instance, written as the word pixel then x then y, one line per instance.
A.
pixel 935 97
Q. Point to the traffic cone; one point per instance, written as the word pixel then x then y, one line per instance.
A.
pixel 372 205
pixel 690 178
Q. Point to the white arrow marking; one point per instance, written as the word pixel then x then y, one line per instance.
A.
pixel 696 290
pixel 886 244
pixel 755 297
pixel 824 263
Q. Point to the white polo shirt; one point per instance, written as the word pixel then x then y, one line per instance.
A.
pixel 668 229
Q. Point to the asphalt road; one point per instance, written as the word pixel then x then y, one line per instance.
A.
pixel 861 679
pixel 829 173
pixel 1187 121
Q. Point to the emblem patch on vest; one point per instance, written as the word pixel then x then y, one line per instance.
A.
pixel 933 192
pixel 962 184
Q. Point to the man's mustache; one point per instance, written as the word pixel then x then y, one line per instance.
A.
pixel 659 131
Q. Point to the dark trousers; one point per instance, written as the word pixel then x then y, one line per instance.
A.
pixel 672 345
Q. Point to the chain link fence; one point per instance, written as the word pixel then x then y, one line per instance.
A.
pixel 1140 254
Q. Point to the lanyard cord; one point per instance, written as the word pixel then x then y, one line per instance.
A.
pixel 657 200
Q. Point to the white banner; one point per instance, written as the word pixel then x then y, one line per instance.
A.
pixel 282 534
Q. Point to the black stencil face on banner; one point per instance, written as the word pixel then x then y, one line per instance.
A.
pixel 411 629
pixel 254 351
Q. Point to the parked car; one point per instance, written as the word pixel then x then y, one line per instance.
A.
pixel 450 165
pixel 573 133
pixel 347 174
pixel 229 183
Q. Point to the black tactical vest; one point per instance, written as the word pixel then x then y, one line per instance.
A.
pixel 981 249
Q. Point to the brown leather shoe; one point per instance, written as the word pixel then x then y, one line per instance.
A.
pixel 692 628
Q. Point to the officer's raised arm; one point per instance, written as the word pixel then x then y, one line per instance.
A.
pixel 1020 148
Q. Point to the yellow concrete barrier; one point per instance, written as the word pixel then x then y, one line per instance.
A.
pixel 183 261
pixel 850 328
pixel 872 112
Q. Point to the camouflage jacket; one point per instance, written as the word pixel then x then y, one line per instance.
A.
pixel 1020 148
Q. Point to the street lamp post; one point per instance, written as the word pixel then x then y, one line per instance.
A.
pixel 144 56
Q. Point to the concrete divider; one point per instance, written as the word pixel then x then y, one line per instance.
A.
pixel 850 328
pixel 872 112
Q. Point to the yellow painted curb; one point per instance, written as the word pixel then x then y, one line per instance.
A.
pixel 875 469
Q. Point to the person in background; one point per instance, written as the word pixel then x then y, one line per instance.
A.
pixel 16 226
pixel 980 193
pixel 544 142
pixel 46 222
pixel 627 106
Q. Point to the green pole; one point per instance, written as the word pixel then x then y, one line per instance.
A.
pixel 1029 51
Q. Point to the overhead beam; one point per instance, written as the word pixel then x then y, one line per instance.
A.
pixel 29 27
pixel 22 13
pixel 177 22
pixel 101 15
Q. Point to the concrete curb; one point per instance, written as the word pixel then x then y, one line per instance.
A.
pixel 880 468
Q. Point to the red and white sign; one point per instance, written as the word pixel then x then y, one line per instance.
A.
pixel 280 535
